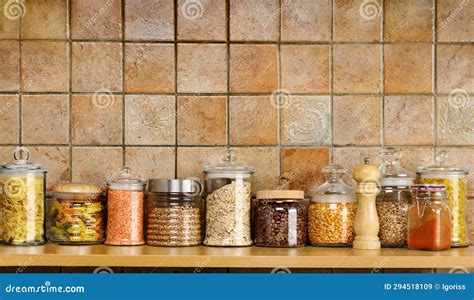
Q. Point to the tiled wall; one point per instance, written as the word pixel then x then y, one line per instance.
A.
pixel 164 86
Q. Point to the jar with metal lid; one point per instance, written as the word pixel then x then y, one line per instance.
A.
pixel 23 185
pixel 76 214
pixel 228 203
pixel 125 210
pixel 281 219
pixel 455 179
pixel 394 199
pixel 332 210
pixel 174 212
pixel 429 218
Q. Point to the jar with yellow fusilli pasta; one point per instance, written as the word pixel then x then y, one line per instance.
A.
pixel 22 198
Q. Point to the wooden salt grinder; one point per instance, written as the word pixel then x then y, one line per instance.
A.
pixel 366 224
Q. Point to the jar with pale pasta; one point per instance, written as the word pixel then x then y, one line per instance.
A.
pixel 23 200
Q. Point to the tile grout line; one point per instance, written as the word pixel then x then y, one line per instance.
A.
pixel 382 73
pixel 123 83
pixel 70 90
pixel 434 81
pixel 279 88
pixel 331 86
pixel 176 107
pixel 227 16
pixel 20 89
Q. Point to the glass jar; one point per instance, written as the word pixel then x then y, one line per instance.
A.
pixel 76 214
pixel 429 218
pixel 174 212
pixel 394 199
pixel 332 210
pixel 228 204
pixel 455 179
pixel 125 210
pixel 23 200
pixel 281 219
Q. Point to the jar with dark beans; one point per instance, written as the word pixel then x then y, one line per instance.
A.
pixel 281 219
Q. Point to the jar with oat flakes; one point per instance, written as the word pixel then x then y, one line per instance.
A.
pixel 125 210
pixel 228 203
pixel 332 210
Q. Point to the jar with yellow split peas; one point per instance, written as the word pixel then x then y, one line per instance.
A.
pixel 455 179
pixel 332 211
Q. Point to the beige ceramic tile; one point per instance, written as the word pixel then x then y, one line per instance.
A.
pixel 455 21
pixel 408 68
pixel 191 160
pixel 454 68
pixel 95 164
pixel 149 20
pixel 202 120
pixel 464 157
pixel 455 120
pixel 6 153
pixel 10 26
pixel 202 68
pixel 408 21
pixel 55 160
pixel 306 120
pixel 96 121
pixel 151 162
pixel 357 20
pixel 265 162
pixel 45 119
pixel 350 157
pixel 202 20
pixel 411 158
pixel 253 121
pixel 357 68
pixel 9 66
pixel 306 20
pixel 409 120
pixel 357 120
pixel 305 68
pixel 45 20
pixel 301 167
pixel 254 20
pixel 45 66
pixel 91 19
pixel 9 121
pixel 253 68
pixel 149 68
pixel 96 67
pixel 149 120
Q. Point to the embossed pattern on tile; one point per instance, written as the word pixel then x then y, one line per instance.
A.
pixel 408 21
pixel 92 19
pixel 357 120
pixel 455 120
pixel 455 71
pixel 149 20
pixel 202 120
pixel 409 120
pixel 455 21
pixel 306 120
pixel 357 20
pixel 204 22
pixel 45 20
pixel 9 66
pixel 149 120
pixel 202 68
pixel 191 160
pixel 56 159
pixel 45 119
pixel 9 122
pixel 44 66
pixel 305 68
pixel 254 20
pixel 149 68
pixel 253 120
pixel 96 121
pixel 95 164
pixel 9 28
pixel 148 162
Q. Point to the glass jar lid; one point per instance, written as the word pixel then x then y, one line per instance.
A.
pixel 229 168
pixel 442 168
pixel 280 194
pixel 392 174
pixel 334 190
pixel 21 162
pixel 191 187
pixel 126 181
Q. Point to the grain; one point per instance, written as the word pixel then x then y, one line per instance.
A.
pixel 393 222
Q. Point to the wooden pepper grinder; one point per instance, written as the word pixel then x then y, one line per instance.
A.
pixel 366 223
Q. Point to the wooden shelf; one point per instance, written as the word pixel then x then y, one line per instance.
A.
pixel 244 257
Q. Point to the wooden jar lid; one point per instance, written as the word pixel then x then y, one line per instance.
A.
pixel 280 194
pixel 76 188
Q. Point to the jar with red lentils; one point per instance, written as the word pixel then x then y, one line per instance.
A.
pixel 125 210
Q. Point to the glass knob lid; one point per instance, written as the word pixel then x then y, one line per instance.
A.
pixel 21 161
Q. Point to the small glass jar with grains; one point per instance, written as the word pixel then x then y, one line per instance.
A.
pixel 228 203
pixel 174 212
pixel 22 199
pixel 394 199
pixel 429 218
pixel 281 219
pixel 332 210
pixel 125 210
pixel 76 214
pixel 455 179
